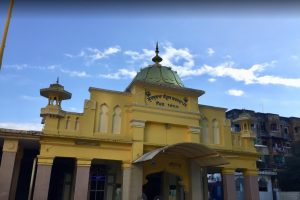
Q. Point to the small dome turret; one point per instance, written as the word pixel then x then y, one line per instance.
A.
pixel 55 94
pixel 55 90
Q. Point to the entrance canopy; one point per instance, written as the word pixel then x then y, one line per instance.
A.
pixel 201 154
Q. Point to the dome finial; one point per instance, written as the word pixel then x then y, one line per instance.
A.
pixel 157 59
pixel 57 80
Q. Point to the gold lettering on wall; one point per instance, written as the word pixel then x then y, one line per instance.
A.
pixel 164 100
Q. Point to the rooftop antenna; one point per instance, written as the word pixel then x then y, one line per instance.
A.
pixel 11 4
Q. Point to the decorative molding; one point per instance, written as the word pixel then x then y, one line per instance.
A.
pixel 195 129
pixel 87 142
pixel 229 171
pixel 10 145
pixel 81 162
pixel 126 164
pixel 250 172
pixel 45 160
pixel 137 123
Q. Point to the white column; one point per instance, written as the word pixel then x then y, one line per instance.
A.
pixel 9 169
pixel 42 180
pixel 196 181
pixel 132 184
pixel 82 179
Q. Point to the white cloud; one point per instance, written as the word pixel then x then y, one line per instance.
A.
pixel 69 55
pixel 212 80
pixel 275 80
pixel 21 126
pixel 73 73
pixel 93 54
pixel 234 92
pixel 227 57
pixel 210 51
pixel 27 66
pixel 182 61
pixel 179 59
pixel 73 109
pixel 294 57
pixel 120 74
pixel 30 98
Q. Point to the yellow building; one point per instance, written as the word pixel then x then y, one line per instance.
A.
pixel 152 141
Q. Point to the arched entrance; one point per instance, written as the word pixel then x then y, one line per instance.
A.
pixel 163 185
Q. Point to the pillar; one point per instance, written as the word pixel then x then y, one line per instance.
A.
pixel 42 180
pixel 132 183
pixel 137 128
pixel 196 191
pixel 251 185
pixel 82 179
pixel 9 170
pixel 228 183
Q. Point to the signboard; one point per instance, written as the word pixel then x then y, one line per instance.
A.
pixel 165 100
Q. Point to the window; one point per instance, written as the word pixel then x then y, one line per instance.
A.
pixel 236 128
pixel 273 127
pixel 239 183
pixel 204 134
pixel 77 123
pixel 263 185
pixel 253 127
pixel 216 132
pixel 245 126
pixel 98 180
pixel 116 128
pixel 263 126
pixel 103 124
pixel 68 122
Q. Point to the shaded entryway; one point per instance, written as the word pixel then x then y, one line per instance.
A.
pixel 105 180
pixel 163 185
pixel 62 179
pixel 185 160
pixel 215 184
pixel 26 174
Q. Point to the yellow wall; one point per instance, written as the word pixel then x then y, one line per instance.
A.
pixel 150 115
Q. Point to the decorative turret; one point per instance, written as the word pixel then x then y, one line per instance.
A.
pixel 55 94
pixel 246 124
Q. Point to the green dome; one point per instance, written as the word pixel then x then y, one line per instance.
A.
pixel 159 74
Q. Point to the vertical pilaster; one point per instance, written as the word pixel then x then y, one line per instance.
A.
pixel 132 184
pixel 228 183
pixel 42 179
pixel 194 134
pixel 137 127
pixel 82 179
pixel 196 181
pixel 9 170
pixel 251 185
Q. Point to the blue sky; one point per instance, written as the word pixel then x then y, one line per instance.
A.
pixel 240 60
